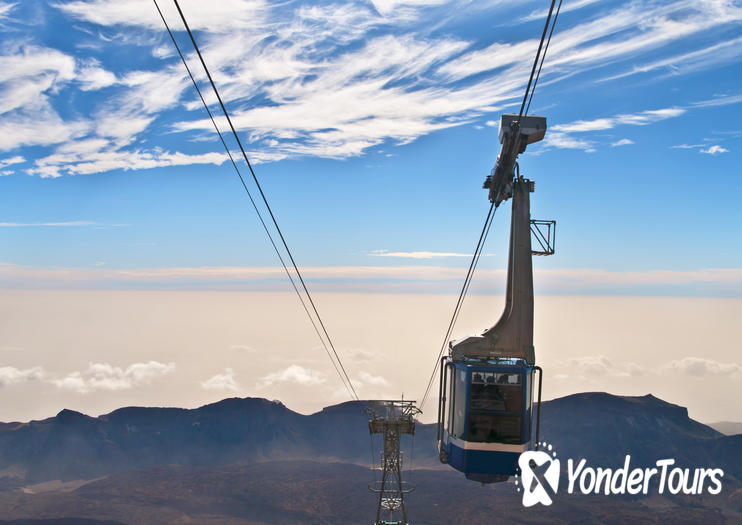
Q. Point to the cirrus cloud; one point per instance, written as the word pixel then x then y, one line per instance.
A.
pixel 331 80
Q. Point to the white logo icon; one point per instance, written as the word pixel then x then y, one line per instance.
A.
pixel 539 476
pixel 540 469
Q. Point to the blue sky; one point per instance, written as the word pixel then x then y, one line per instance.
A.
pixel 372 126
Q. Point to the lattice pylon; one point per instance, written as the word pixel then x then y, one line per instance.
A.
pixel 391 419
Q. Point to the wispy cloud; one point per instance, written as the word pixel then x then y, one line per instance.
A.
pixel 595 368
pixel 416 255
pixel 220 17
pixel 393 7
pixel 31 75
pixel 715 150
pixel 598 367
pixel 370 379
pixel 688 146
pixel 721 281
pixel 294 374
pixel 610 36
pixel 224 381
pixel 5 8
pixel 103 376
pixel 38 126
pixel 633 119
pixel 699 366
pixel 566 8
pixel 555 139
pixel 721 100
pixel 704 147
pixel 242 348
pixel 561 135
pixel 101 161
pixel 685 63
pixel 10 375
pixel 93 77
pixel 45 224
pixel 97 376
pixel 4 163
pixel 317 80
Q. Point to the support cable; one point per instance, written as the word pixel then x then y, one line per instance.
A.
pixel 478 255
pixel 535 60
pixel 339 368
pixel 527 97
pixel 462 295
pixel 546 50
pixel 249 195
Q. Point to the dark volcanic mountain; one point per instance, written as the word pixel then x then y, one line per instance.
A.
pixel 75 446
pixel 255 461
pixel 604 428
pixel 598 426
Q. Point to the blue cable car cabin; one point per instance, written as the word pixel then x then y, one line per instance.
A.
pixel 486 416
pixel 486 395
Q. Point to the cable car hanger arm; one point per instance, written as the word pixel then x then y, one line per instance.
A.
pixel 515 134
pixel 512 335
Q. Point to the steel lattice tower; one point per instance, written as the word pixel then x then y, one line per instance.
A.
pixel 391 419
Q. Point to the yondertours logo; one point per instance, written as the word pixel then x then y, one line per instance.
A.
pixel 539 475
pixel 539 478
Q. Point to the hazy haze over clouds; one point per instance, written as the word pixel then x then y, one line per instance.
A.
pixel 184 348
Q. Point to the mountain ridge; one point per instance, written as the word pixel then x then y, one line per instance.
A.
pixel 596 425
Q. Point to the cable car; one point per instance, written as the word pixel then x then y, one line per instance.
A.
pixel 486 415
pixel 485 411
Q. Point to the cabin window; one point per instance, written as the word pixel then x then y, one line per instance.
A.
pixel 495 391
pixel 448 408
pixel 459 403
pixel 495 407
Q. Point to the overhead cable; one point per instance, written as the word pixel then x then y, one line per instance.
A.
pixel 527 97
pixel 252 201
pixel 536 59
pixel 543 56
pixel 331 351
pixel 462 295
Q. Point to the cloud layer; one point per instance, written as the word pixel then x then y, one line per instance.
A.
pixel 413 278
pixel 103 376
pixel 96 377
pixel 295 375
pixel 331 80
pixel 10 375
pixel 599 367
pixel 222 382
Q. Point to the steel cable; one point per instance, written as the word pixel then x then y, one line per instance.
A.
pixel 485 231
pixel 462 295
pixel 546 50
pixel 339 368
